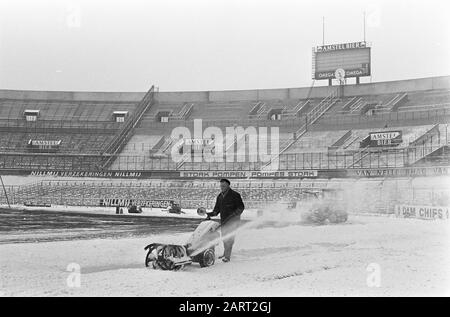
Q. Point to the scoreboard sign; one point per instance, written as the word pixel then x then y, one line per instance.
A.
pixel 353 58
pixel 381 139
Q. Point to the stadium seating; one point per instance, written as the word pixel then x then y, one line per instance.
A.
pixel 365 195
pixel 312 148
pixel 139 145
pixel 315 141
pixel 81 143
pixel 64 110
pixel 320 128
pixel 434 99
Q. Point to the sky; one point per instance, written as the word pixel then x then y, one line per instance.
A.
pixel 198 45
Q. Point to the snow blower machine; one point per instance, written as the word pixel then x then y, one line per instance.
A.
pixel 199 248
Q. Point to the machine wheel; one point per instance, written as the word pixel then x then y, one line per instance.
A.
pixel 178 267
pixel 208 258
pixel 148 260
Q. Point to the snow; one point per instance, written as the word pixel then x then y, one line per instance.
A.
pixel 288 259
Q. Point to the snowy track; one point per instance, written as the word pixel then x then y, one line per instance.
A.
pixel 297 260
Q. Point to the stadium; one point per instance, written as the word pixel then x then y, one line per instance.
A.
pixel 60 140
pixel 73 164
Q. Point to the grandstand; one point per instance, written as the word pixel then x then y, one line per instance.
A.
pixel 320 127
pixel 323 130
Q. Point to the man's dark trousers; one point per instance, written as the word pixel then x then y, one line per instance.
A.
pixel 230 207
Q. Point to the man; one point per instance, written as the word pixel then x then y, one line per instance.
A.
pixel 230 207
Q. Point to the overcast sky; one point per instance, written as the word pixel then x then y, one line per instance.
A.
pixel 180 45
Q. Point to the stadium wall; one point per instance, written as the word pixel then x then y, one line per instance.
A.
pixel 431 83
pixel 420 84
pixel 72 95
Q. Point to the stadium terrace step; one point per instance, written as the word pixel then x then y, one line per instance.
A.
pixel 79 143
pixel 312 116
pixel 425 107
pixel 341 141
pixel 427 143
pixel 301 107
pixel 396 102
pixel 427 97
pixel 315 141
pixel 56 110
pixel 404 110
pixel 437 157
pixel 185 112
pixel 349 104
pixel 256 108
pixel 191 194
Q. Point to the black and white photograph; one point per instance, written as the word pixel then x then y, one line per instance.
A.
pixel 244 149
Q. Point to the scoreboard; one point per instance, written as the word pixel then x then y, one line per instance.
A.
pixel 353 58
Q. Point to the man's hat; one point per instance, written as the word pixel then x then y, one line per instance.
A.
pixel 225 180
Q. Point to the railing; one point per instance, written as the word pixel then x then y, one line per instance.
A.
pixel 299 109
pixel 339 142
pixel 358 107
pixel 358 157
pixel 322 107
pixel 343 121
pixel 262 111
pixel 373 158
pixel 167 143
pixel 125 134
pixel 425 137
pixel 184 113
pixel 349 103
pixel 48 162
pixel 296 111
pixel 425 107
pixel 370 158
pixel 373 197
pixel 188 112
pixel 438 115
pixel 426 144
pixel 49 125
pixel 395 102
pixel 350 141
pixel 311 117
pixel 255 108
pixel 158 145
pixel 346 109
pixel 228 150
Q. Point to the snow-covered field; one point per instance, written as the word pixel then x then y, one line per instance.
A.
pixel 146 212
pixel 365 256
